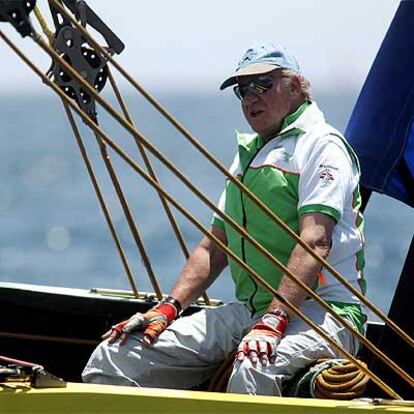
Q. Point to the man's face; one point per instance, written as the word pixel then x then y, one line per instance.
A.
pixel 265 111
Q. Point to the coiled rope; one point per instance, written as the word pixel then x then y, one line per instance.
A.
pixel 329 378
pixel 337 379
pixel 342 380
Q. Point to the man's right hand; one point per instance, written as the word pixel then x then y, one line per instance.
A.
pixel 150 323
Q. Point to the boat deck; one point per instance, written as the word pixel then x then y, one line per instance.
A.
pixel 88 398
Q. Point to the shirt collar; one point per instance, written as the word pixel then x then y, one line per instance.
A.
pixel 291 118
pixel 297 123
pixel 307 115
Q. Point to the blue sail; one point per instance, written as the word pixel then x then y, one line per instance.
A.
pixel 381 128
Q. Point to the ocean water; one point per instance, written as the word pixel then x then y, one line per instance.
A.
pixel 53 232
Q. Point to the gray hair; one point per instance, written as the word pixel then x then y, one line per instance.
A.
pixel 304 83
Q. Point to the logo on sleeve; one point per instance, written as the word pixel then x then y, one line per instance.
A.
pixel 326 176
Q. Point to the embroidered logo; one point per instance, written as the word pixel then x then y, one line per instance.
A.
pixel 326 176
pixel 328 166
pixel 286 156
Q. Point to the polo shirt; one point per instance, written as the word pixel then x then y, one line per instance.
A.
pixel 307 167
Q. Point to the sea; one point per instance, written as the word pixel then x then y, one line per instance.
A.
pixel 53 232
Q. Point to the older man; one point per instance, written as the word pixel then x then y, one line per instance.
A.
pixel 305 172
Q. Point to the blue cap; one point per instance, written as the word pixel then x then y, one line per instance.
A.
pixel 262 58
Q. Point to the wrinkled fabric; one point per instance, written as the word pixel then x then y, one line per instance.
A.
pixel 190 350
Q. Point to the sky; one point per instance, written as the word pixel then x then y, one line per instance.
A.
pixel 187 45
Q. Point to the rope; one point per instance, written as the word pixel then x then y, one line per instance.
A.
pixel 45 28
pixel 135 233
pixel 135 133
pixel 343 380
pixel 101 200
pixel 223 247
pixel 105 156
pixel 334 379
pixel 151 171
pixel 205 231
pixel 128 214
pixel 226 218
pixel 156 185
pixel 244 189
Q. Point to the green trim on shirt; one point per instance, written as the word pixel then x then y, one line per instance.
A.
pixel 218 222
pixel 291 118
pixel 320 208
pixel 351 311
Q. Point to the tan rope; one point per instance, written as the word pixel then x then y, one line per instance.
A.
pixel 394 366
pixel 115 181
pixel 244 189
pixel 45 28
pixel 128 215
pixel 343 381
pixel 223 247
pixel 118 190
pixel 101 200
pixel 151 171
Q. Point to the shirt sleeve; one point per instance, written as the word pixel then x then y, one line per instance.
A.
pixel 326 180
pixel 217 220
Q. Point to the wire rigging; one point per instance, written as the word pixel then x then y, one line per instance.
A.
pixel 256 277
pixel 88 116
pixel 204 151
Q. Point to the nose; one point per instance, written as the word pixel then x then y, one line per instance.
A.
pixel 250 96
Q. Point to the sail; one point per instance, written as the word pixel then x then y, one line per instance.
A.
pixel 381 128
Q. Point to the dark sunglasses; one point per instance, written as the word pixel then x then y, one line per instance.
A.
pixel 257 86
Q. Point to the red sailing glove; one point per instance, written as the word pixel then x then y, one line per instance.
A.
pixel 262 341
pixel 151 323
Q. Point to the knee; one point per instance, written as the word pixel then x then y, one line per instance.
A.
pixel 97 363
pixel 241 377
pixel 255 379
pixel 103 366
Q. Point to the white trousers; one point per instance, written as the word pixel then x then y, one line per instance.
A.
pixel 192 348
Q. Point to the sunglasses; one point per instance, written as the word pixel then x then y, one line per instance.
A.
pixel 257 86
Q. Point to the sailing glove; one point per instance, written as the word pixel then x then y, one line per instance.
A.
pixel 150 323
pixel 262 341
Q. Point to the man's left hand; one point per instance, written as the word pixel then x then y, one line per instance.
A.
pixel 262 341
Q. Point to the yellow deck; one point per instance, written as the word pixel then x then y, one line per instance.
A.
pixel 86 398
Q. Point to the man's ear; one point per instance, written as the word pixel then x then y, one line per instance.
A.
pixel 295 85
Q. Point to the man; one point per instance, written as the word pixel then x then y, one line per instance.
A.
pixel 305 172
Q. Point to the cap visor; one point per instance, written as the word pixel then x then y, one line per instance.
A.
pixel 254 69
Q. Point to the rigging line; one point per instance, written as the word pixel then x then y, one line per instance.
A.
pixel 286 271
pixel 151 171
pixel 148 165
pixel 224 248
pixel 45 28
pixel 32 337
pixel 127 211
pixel 101 200
pixel 241 263
pixel 292 277
pixel 229 220
pixel 391 324
pixel 265 284
pixel 117 186
pixel 154 150
pixel 244 189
